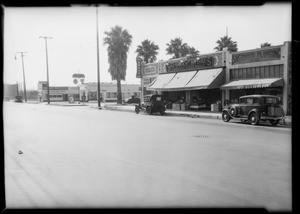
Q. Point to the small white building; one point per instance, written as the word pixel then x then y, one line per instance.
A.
pixel 108 91
pixel 87 92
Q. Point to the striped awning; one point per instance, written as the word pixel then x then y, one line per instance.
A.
pixel 253 83
pixel 161 81
pixel 188 80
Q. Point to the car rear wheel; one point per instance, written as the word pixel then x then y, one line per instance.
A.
pixel 225 116
pixel 274 122
pixel 254 120
pixel 148 110
pixel 162 112
pixel 137 110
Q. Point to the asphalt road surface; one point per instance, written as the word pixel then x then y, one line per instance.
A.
pixel 82 157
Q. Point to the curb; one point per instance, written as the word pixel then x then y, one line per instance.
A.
pixel 288 123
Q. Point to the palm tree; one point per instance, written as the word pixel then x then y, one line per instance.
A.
pixel 192 51
pixel 226 42
pixel 179 49
pixel 148 51
pixel 118 41
pixel 266 44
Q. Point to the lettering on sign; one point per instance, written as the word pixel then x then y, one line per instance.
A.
pixel 190 64
pixel 138 67
pixel 256 56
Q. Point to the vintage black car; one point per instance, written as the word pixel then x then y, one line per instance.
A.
pixel 18 99
pixel 152 103
pixel 254 108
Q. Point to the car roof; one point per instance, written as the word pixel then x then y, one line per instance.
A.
pixel 259 95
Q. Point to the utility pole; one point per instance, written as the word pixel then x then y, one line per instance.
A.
pixel 98 63
pixel 226 31
pixel 22 55
pixel 48 91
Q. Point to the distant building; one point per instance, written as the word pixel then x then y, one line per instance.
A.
pixel 108 91
pixel 86 92
pixel 10 90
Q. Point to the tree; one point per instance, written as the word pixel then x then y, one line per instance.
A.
pixel 226 42
pixel 148 51
pixel 179 49
pixel 118 41
pixel 266 44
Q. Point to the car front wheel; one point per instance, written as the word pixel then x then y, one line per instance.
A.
pixel 254 120
pixel 137 110
pixel 225 116
pixel 274 122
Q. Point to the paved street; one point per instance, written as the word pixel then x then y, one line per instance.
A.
pixel 84 157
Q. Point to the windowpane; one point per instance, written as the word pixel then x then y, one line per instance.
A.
pixel 281 71
pixel 257 71
pixel 248 76
pixel 277 71
pixel 267 71
pixel 272 72
pixel 236 74
pixel 240 73
pixel 244 73
pixel 262 72
pixel 253 73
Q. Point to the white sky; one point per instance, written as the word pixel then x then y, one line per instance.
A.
pixel 73 47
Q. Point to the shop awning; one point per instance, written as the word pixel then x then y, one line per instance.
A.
pixel 161 81
pixel 207 79
pixel 190 80
pixel 253 83
pixel 180 80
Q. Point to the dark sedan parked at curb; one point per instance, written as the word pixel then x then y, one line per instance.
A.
pixel 254 108
pixel 18 99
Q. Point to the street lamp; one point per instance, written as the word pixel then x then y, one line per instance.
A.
pixel 22 55
pixel 98 63
pixel 48 91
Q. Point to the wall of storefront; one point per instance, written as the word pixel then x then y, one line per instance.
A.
pixel 269 62
pixel 150 71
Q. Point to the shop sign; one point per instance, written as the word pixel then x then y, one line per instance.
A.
pixel 190 64
pixel 256 56
pixel 150 70
pixel 139 67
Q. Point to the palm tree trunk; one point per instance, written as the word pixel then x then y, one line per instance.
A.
pixel 119 92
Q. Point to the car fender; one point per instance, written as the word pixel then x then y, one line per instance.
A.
pixel 255 111
pixel 227 110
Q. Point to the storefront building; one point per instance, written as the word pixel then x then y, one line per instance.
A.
pixel 259 71
pixel 187 83
pixel 57 93
pixel 220 78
